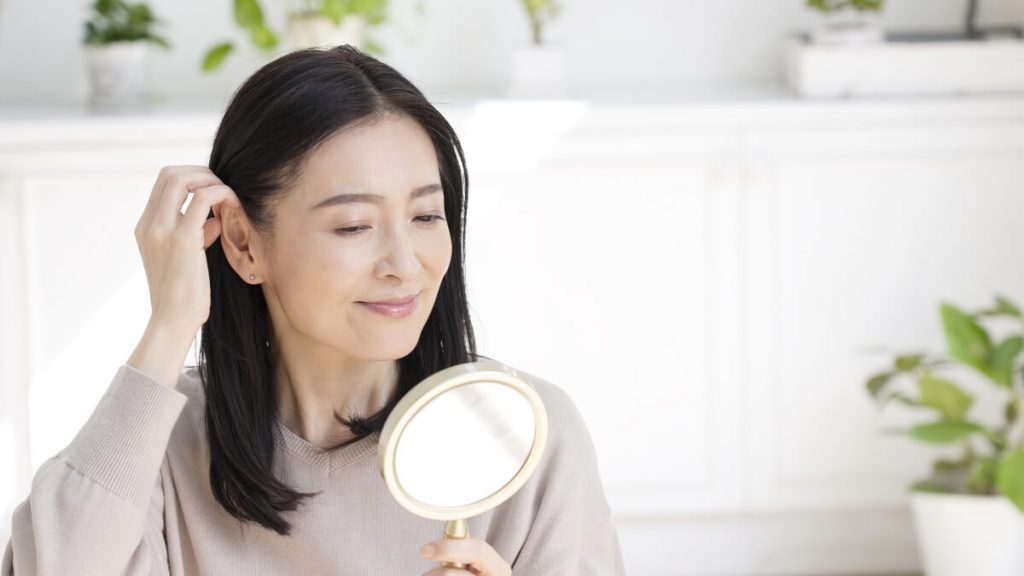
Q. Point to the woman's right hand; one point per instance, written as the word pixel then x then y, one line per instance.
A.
pixel 173 245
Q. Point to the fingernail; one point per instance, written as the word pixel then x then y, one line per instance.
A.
pixel 427 551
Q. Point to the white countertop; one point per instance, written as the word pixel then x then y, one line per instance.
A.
pixel 764 106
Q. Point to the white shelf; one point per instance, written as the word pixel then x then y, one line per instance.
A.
pixel 28 127
pixel 905 68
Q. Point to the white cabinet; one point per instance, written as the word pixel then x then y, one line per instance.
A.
pixel 73 295
pixel 854 234
pixel 792 242
pixel 608 270
pixel 706 281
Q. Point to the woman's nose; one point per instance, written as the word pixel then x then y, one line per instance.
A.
pixel 399 256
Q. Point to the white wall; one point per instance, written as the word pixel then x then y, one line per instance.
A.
pixel 465 45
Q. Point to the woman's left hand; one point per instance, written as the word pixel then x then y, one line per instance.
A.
pixel 477 556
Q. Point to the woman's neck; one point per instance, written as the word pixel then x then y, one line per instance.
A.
pixel 308 396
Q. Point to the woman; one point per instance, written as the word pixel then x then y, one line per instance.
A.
pixel 332 221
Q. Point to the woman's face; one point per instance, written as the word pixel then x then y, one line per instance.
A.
pixel 331 252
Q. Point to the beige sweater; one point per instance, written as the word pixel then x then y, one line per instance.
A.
pixel 131 495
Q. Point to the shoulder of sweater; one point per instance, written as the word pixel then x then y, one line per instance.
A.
pixel 567 477
pixel 555 397
pixel 567 430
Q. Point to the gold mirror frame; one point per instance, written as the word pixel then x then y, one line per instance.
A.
pixel 482 371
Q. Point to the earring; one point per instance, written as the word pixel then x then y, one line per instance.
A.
pixel 252 277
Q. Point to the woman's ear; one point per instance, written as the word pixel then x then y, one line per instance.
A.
pixel 239 241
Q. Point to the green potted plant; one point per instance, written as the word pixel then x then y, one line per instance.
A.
pixel 538 66
pixel 969 511
pixel 117 38
pixel 309 23
pixel 847 22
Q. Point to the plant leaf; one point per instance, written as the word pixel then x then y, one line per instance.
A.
pixel 877 382
pixel 1012 411
pixel 940 465
pixel 945 432
pixel 931 486
pixel 248 13
pixel 263 37
pixel 216 55
pixel 908 362
pixel 104 7
pixel 92 35
pixel 1004 306
pixel 333 9
pixel 139 14
pixel 998 439
pixel 373 47
pixel 944 396
pixel 968 342
pixel 983 476
pixel 1010 478
pixel 901 398
pixel 1003 357
pixel 160 41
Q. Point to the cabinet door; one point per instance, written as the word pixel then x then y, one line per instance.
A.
pixel 608 267
pixel 14 473
pixel 81 291
pixel 854 235
pixel 73 294
pixel 87 296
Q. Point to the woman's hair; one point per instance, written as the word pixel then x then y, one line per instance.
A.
pixel 274 121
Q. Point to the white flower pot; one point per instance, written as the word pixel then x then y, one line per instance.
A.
pixel 848 30
pixel 960 535
pixel 538 72
pixel 320 31
pixel 117 73
pixel 961 68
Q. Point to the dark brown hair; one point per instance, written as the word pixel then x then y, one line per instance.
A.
pixel 275 119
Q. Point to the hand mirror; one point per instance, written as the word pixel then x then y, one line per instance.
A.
pixel 461 442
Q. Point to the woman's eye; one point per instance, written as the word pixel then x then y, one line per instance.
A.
pixel 353 230
pixel 430 218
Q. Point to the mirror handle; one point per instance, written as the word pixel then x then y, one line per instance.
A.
pixel 455 530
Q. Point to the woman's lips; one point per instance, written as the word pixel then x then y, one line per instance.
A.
pixel 393 310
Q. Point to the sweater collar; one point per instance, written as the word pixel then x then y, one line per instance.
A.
pixel 329 460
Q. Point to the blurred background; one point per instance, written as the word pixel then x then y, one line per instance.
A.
pixel 771 248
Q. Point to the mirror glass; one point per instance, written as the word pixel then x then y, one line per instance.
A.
pixel 465 444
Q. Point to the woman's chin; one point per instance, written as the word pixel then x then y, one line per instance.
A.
pixel 390 351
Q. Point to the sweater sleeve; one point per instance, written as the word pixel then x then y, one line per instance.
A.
pixel 97 506
pixel 572 532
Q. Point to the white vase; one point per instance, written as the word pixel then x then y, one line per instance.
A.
pixel 117 73
pixel 320 31
pixel 538 72
pixel 960 535
pixel 849 29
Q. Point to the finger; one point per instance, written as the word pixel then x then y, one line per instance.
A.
pixel 231 199
pixel 179 184
pixel 198 211
pixel 153 201
pixel 160 187
pixel 472 551
pixel 191 186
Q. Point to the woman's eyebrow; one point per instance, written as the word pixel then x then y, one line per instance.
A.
pixel 375 198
